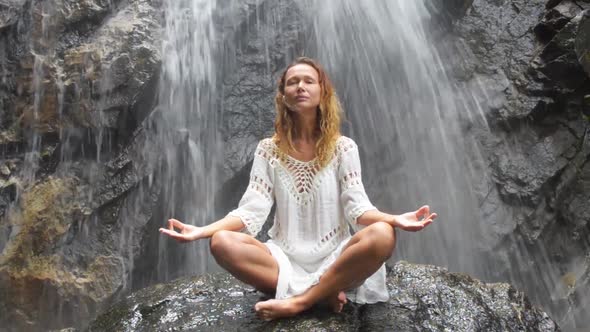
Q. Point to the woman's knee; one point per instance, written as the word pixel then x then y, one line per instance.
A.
pixel 381 238
pixel 221 242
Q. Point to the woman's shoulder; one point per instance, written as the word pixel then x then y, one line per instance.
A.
pixel 266 148
pixel 267 144
pixel 345 140
pixel 344 144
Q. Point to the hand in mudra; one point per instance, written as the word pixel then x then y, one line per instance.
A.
pixel 185 232
pixel 415 220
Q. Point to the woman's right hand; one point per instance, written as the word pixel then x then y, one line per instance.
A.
pixel 185 233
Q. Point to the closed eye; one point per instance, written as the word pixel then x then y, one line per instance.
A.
pixel 307 80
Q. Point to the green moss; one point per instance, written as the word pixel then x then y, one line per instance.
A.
pixel 45 213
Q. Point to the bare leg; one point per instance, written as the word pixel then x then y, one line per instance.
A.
pixel 240 255
pixel 246 259
pixel 362 256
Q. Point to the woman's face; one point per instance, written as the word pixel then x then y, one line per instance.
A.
pixel 302 88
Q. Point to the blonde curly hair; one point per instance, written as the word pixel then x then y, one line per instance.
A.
pixel 328 119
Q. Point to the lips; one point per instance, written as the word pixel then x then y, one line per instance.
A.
pixel 301 98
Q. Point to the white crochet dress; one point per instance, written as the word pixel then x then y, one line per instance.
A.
pixel 313 213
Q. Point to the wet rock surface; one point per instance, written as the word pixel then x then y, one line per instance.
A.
pixel 9 12
pixel 422 298
pixel 250 81
pixel 582 43
pixel 72 84
pixel 529 58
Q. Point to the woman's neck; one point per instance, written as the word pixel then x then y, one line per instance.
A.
pixel 306 126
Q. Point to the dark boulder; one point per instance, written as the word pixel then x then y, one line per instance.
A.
pixel 422 298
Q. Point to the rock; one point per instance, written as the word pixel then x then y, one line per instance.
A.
pixel 422 296
pixel 204 303
pixel 528 58
pixel 455 8
pixel 430 298
pixel 63 261
pixel 555 19
pixel 76 12
pixel 445 12
pixel 4 170
pixel 28 262
pixel 458 7
pixel 8 191
pixel 250 83
pixel 66 253
pixel 498 61
pixel 558 61
pixel 582 43
pixel 113 68
pixel 523 174
pixel 552 3
pixel 9 12
pixel 86 83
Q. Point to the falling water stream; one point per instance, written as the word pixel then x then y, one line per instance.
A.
pixel 406 116
pixel 186 122
pixel 42 52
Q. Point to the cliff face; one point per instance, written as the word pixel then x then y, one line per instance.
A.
pixel 530 60
pixel 74 76
pixel 81 196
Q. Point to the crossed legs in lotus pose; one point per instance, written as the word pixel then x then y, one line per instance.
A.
pixel 251 262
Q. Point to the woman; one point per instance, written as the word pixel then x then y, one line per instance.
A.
pixel 314 176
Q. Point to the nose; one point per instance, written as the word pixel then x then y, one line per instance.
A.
pixel 300 85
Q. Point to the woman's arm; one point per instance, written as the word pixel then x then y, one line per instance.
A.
pixel 410 221
pixel 227 223
pixel 188 232
pixel 252 210
pixel 373 216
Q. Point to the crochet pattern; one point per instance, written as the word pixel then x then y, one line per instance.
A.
pixel 314 210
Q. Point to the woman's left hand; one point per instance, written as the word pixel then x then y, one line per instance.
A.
pixel 416 220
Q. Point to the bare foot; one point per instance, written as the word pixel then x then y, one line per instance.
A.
pixel 337 302
pixel 273 309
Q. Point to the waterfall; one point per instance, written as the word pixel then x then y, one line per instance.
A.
pixel 42 44
pixel 420 134
pixel 186 122
pixel 408 118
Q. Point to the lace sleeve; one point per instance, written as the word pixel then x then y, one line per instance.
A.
pixel 258 199
pixel 353 197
